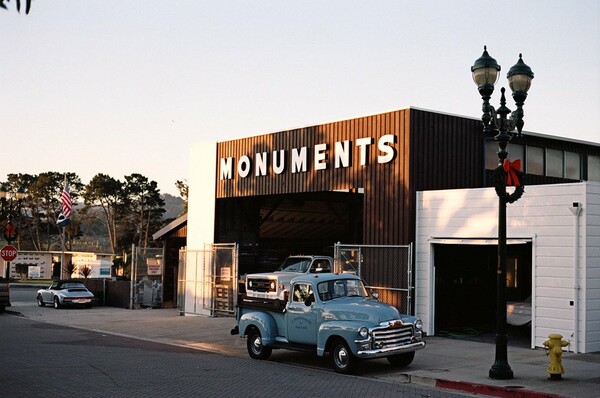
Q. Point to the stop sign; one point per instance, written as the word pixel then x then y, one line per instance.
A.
pixel 8 253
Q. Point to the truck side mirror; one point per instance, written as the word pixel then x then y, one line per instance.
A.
pixel 309 300
pixel 375 295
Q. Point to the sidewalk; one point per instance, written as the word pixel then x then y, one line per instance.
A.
pixel 447 363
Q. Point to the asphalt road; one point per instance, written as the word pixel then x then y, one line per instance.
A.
pixel 41 359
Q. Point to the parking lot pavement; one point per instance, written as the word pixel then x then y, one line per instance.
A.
pixel 448 363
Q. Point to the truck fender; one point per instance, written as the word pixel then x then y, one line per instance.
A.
pixel 263 321
pixel 346 330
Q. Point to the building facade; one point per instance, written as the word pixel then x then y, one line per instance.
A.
pixel 351 181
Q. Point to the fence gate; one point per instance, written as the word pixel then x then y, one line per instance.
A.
pixel 385 269
pixel 207 280
pixel 147 267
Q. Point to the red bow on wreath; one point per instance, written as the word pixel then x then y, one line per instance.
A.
pixel 510 168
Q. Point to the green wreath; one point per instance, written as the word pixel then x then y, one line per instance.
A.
pixel 499 180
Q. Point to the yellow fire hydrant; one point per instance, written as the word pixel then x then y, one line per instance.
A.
pixel 553 347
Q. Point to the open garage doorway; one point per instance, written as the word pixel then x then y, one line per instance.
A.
pixel 465 290
pixel 270 228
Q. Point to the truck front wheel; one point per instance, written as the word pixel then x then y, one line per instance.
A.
pixel 256 348
pixel 342 359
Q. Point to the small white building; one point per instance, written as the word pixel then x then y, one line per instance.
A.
pixel 556 226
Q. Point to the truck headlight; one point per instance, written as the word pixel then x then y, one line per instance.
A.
pixel 418 325
pixel 272 285
pixel 363 332
pixel 250 283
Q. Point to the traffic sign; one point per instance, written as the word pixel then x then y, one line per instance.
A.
pixel 8 253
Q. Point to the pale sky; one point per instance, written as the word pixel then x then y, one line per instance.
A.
pixel 121 87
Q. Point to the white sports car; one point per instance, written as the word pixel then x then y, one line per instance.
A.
pixel 65 292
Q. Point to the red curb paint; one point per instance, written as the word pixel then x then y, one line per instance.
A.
pixel 493 391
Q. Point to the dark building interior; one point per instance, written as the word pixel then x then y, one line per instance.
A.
pixel 270 228
pixel 465 285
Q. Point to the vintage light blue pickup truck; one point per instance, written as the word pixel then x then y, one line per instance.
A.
pixel 333 314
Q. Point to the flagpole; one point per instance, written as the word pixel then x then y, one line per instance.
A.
pixel 62 254
pixel 62 221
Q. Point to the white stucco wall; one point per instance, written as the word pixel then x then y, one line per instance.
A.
pixel 591 289
pixel 544 216
pixel 201 224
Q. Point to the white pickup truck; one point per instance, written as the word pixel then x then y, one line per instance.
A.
pixel 4 294
pixel 275 285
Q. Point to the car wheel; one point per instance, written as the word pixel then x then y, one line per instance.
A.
pixel 401 360
pixel 342 359
pixel 56 302
pixel 40 300
pixel 255 346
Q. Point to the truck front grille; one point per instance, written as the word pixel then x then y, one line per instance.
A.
pixel 261 285
pixel 391 337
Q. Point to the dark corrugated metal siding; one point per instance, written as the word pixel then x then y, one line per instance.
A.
pixel 385 185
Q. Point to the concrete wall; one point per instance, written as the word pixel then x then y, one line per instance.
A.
pixel 544 215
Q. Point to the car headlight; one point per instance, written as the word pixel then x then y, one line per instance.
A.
pixel 418 325
pixel 363 332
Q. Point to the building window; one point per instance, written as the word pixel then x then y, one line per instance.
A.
pixel 593 168
pixel 491 155
pixel 535 160
pixel 511 273
pixel 554 163
pixel 572 166
pixel 515 152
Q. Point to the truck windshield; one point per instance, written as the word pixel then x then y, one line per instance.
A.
pixel 295 265
pixel 333 289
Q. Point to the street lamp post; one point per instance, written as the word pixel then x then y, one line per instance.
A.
pixel 485 74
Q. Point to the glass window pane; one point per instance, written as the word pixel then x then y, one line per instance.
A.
pixel 491 155
pixel 535 160
pixel 554 163
pixel 573 166
pixel 515 152
pixel 593 168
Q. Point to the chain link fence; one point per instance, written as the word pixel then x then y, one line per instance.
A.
pixel 207 280
pixel 147 267
pixel 387 270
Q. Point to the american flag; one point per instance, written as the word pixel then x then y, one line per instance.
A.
pixel 65 197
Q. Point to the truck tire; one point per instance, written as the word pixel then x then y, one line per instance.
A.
pixel 401 360
pixel 255 346
pixel 342 359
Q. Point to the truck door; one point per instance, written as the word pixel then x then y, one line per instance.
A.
pixel 301 319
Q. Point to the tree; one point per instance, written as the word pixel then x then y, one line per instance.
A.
pixel 183 188
pixel 86 271
pixel 36 218
pixel 145 206
pixel 107 194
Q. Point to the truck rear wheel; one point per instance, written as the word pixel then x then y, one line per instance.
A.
pixel 256 348
pixel 342 359
pixel 401 360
